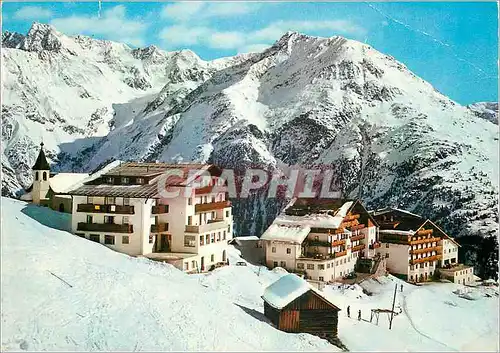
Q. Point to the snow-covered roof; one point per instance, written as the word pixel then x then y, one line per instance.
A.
pixel 63 182
pixel 248 237
pixel 26 197
pixel 285 290
pixel 286 232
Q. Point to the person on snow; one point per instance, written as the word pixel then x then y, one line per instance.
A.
pixel 401 287
pixel 359 315
pixel 348 311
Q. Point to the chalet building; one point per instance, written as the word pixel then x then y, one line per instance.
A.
pixel 48 189
pixel 322 238
pixel 122 208
pixel 292 305
pixel 418 250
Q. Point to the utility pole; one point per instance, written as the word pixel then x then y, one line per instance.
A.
pixel 393 303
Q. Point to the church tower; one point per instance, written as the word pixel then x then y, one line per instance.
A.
pixel 41 175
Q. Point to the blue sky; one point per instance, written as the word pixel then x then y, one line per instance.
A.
pixel 454 46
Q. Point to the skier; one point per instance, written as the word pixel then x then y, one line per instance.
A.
pixel 348 311
pixel 401 287
pixel 359 315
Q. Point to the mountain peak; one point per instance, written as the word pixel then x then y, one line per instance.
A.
pixel 42 36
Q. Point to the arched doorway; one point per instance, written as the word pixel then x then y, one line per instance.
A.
pixel 61 207
pixel 224 256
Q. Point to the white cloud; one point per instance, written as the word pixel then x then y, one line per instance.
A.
pixel 32 13
pixel 258 40
pixel 195 10
pixel 226 40
pixel 113 25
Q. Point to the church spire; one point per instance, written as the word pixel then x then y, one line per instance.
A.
pixel 41 162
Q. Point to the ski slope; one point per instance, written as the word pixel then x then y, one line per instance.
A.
pixel 103 300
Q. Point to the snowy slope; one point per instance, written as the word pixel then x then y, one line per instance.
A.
pixel 486 110
pixel 109 301
pixel 305 100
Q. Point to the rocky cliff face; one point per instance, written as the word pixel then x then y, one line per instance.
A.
pixel 391 138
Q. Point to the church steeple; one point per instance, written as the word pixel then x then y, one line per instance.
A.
pixel 41 162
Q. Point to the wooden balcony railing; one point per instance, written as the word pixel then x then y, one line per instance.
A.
pixel 358 237
pixel 340 253
pixel 203 190
pixel 357 226
pixel 351 217
pixel 105 227
pixel 349 224
pixel 159 209
pixel 425 240
pixel 425 259
pixel 317 243
pixel 213 225
pixel 358 247
pixel 338 242
pixel 394 239
pixel 425 232
pixel 425 250
pixel 204 207
pixel 94 208
pixel 159 228
pixel 339 230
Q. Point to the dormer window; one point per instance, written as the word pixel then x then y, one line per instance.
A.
pixel 44 176
pixel 140 180
pixel 110 180
pixel 125 180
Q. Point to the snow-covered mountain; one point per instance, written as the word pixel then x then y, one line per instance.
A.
pixel 305 100
pixel 486 110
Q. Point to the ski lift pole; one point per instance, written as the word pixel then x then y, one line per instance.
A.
pixel 393 303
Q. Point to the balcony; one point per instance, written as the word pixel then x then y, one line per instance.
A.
pixel 317 243
pixel 374 245
pixel 338 242
pixel 425 240
pixel 358 247
pixel 425 250
pixel 159 209
pixel 357 227
pixel 217 224
pixel 105 227
pixel 205 207
pixel 340 253
pixel 203 190
pixel 425 259
pixel 94 208
pixel 425 232
pixel 159 228
pixel 351 217
pixel 358 237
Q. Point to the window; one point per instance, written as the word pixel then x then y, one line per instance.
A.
pixel 109 219
pixel 229 229
pixel 218 236
pixel 190 220
pixel 288 250
pixel 328 265
pixel 45 176
pixel 213 198
pixel 109 201
pixel 283 264
pixel 110 180
pixel 190 241
pixel 109 239
pixel 321 267
pixel 275 264
pixel 411 278
pixel 300 266
pixel 273 249
pixel 186 266
pixel 126 201
pixel 212 258
pixel 151 239
pixel 90 219
pixel 336 263
pixel 316 238
pixel 190 201
pixel 387 245
pixel 321 279
pixel 387 255
pixel 125 180
pixel 207 239
pixel 227 213
pixel 125 239
pixel 125 220
pixel 139 180
pixel 421 265
pixel 411 267
pixel 81 235
pixel 193 264
pixel 224 235
pixel 310 266
pixel 36 176
pixel 202 240
pixel 95 237
pixel 212 238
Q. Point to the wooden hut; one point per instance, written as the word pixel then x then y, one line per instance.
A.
pixel 293 305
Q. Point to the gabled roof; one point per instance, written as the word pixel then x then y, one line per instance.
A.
pixel 442 231
pixel 396 219
pixel 288 288
pixel 41 162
